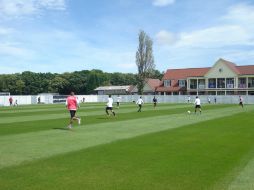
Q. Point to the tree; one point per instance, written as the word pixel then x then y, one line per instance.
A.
pixel 144 60
pixel 57 84
pixel 20 85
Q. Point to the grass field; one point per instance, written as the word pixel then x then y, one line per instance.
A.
pixel 157 149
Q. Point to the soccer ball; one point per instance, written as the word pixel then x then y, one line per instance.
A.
pixel 188 111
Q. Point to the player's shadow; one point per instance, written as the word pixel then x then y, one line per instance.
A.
pixel 61 128
pixel 105 118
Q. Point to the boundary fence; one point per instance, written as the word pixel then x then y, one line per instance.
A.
pixel 50 99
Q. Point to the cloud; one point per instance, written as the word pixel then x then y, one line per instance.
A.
pixel 13 50
pixel 164 37
pixel 218 36
pixel 51 4
pixel 20 8
pixel 162 3
pixel 231 38
pixel 236 28
pixel 5 31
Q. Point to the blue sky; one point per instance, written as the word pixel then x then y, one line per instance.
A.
pixel 71 35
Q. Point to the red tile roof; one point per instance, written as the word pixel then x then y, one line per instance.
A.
pixel 185 73
pixel 153 83
pixel 169 89
pixel 246 69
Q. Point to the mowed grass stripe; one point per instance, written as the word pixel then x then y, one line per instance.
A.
pixel 9 111
pixel 6 111
pixel 16 149
pixel 44 123
pixel 47 115
pixel 244 179
pixel 194 157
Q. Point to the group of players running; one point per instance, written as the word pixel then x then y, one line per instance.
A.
pixel 72 105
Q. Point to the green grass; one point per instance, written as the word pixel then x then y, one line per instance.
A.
pixel 165 148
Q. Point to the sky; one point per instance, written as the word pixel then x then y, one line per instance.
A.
pixel 60 36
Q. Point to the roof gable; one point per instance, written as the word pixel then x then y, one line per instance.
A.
pixel 222 68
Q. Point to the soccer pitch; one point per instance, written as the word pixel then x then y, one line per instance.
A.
pixel 162 148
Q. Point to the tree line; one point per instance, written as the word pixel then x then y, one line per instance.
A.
pixel 81 82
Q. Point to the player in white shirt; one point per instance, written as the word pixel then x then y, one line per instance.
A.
pixel 110 106
pixel 140 102
pixel 197 104
pixel 241 101
pixel 118 101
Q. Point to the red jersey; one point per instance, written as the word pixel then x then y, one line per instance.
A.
pixel 72 103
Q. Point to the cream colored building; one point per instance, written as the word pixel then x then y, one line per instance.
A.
pixel 224 78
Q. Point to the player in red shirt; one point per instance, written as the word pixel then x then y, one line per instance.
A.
pixel 10 101
pixel 72 105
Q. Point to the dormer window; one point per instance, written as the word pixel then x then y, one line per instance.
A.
pixel 167 82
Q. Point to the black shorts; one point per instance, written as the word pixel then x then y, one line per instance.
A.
pixel 72 112
pixel 109 108
pixel 117 103
pixel 240 103
pixel 198 106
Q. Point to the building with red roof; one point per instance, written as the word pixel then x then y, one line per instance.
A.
pixel 149 87
pixel 223 78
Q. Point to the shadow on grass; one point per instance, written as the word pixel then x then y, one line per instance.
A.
pixel 61 128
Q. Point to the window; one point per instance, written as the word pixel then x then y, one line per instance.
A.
pixel 230 83
pixel 242 83
pixel 167 82
pixel 181 83
pixel 220 83
pixel 201 84
pixel 193 84
pixel 251 82
pixel 212 83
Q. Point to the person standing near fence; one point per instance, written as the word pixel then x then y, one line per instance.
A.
pixel 140 102
pixel 209 99
pixel 118 99
pixel 72 105
pixel 10 101
pixel 154 102
pixel 241 101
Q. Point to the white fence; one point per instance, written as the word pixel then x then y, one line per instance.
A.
pixel 50 99
pixel 183 99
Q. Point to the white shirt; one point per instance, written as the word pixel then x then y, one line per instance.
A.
pixel 139 101
pixel 197 101
pixel 110 102
pixel 118 99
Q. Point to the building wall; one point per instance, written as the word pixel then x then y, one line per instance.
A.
pixel 220 70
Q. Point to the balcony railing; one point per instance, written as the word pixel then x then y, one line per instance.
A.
pixel 230 85
pixel 211 85
pixel 201 86
pixel 242 86
pixel 193 86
